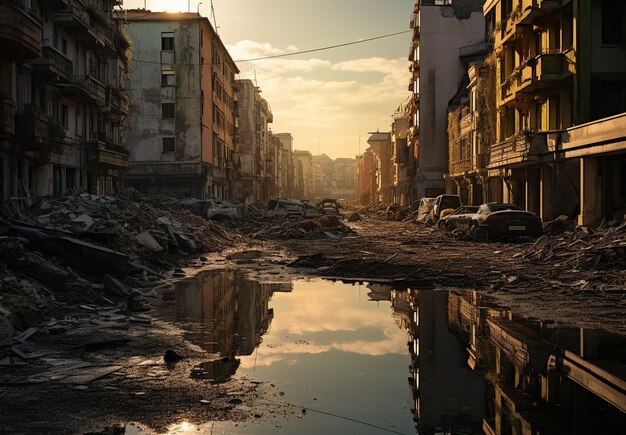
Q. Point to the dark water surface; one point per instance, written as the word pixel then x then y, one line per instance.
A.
pixel 371 359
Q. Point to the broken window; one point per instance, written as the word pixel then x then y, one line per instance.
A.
pixel 169 145
pixel 167 41
pixel 168 78
pixel 167 110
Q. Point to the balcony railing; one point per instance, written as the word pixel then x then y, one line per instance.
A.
pixel 101 155
pixel 20 31
pixel 525 147
pixel 53 61
pixel 461 166
pixel 35 132
pixel 74 18
pixel 7 117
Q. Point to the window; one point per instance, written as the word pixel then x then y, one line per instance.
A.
pixel 64 46
pixel 167 41
pixel 167 110
pixel 168 78
pixel 169 144
pixel 613 22
pixel 63 116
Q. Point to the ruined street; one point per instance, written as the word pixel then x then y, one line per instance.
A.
pixel 274 325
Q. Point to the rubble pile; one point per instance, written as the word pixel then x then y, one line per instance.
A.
pixel 583 248
pixel 327 226
pixel 139 226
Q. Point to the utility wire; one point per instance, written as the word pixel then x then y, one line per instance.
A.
pixel 329 47
pixel 360 41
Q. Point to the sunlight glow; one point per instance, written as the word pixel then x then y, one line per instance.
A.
pixel 171 5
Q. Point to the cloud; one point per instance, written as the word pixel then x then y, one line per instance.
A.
pixel 323 102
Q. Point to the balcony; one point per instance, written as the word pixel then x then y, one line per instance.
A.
pixel 415 69
pixel 35 132
pixel 7 117
pixel 461 167
pixel 20 31
pixel 74 18
pixel 101 155
pixel 554 66
pixel 54 62
pixel 85 86
pixel 116 101
pixel 524 148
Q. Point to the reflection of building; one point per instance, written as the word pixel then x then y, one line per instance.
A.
pixel 449 394
pixel 539 378
pixel 232 312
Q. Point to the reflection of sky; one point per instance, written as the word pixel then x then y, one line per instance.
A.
pixel 320 316
pixel 331 349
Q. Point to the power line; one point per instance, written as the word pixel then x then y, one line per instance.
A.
pixel 329 47
pixel 360 41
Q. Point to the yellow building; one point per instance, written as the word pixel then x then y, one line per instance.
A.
pixel 560 90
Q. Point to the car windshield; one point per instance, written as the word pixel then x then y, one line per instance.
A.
pixel 450 202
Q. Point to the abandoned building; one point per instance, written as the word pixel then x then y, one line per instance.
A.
pixel 555 143
pixel 62 103
pixel 182 134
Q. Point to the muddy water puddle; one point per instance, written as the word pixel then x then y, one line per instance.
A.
pixel 374 359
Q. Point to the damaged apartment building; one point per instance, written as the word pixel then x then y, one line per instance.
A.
pixel 552 138
pixel 62 103
pixel 182 135
pixel 440 29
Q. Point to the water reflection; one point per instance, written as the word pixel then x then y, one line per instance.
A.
pixel 341 351
pixel 232 311
pixel 528 376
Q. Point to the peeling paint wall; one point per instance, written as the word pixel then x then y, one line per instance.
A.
pixel 147 158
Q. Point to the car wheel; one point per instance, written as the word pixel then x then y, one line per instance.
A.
pixel 480 234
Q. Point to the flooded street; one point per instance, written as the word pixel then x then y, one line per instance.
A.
pixel 376 359
pixel 336 351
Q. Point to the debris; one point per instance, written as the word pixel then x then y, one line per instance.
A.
pixel 388 259
pixel 145 239
pixel 171 357
pixel 354 217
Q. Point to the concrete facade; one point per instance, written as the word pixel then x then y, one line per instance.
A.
pixel 439 30
pixel 182 138
pixel 380 146
pixel 253 142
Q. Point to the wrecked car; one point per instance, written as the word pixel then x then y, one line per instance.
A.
pixel 424 209
pixel 494 220
pixel 285 208
pixel 329 206
pixel 444 202
pixel 214 209
pixel 461 218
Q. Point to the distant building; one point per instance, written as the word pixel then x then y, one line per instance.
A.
pixel 303 170
pixel 344 178
pixel 401 157
pixel 380 146
pixel 182 135
pixel 440 28
pixel 62 101
pixel 366 178
pixel 285 181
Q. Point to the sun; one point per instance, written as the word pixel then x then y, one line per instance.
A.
pixel 172 5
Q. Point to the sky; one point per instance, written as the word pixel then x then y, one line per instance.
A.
pixel 329 99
